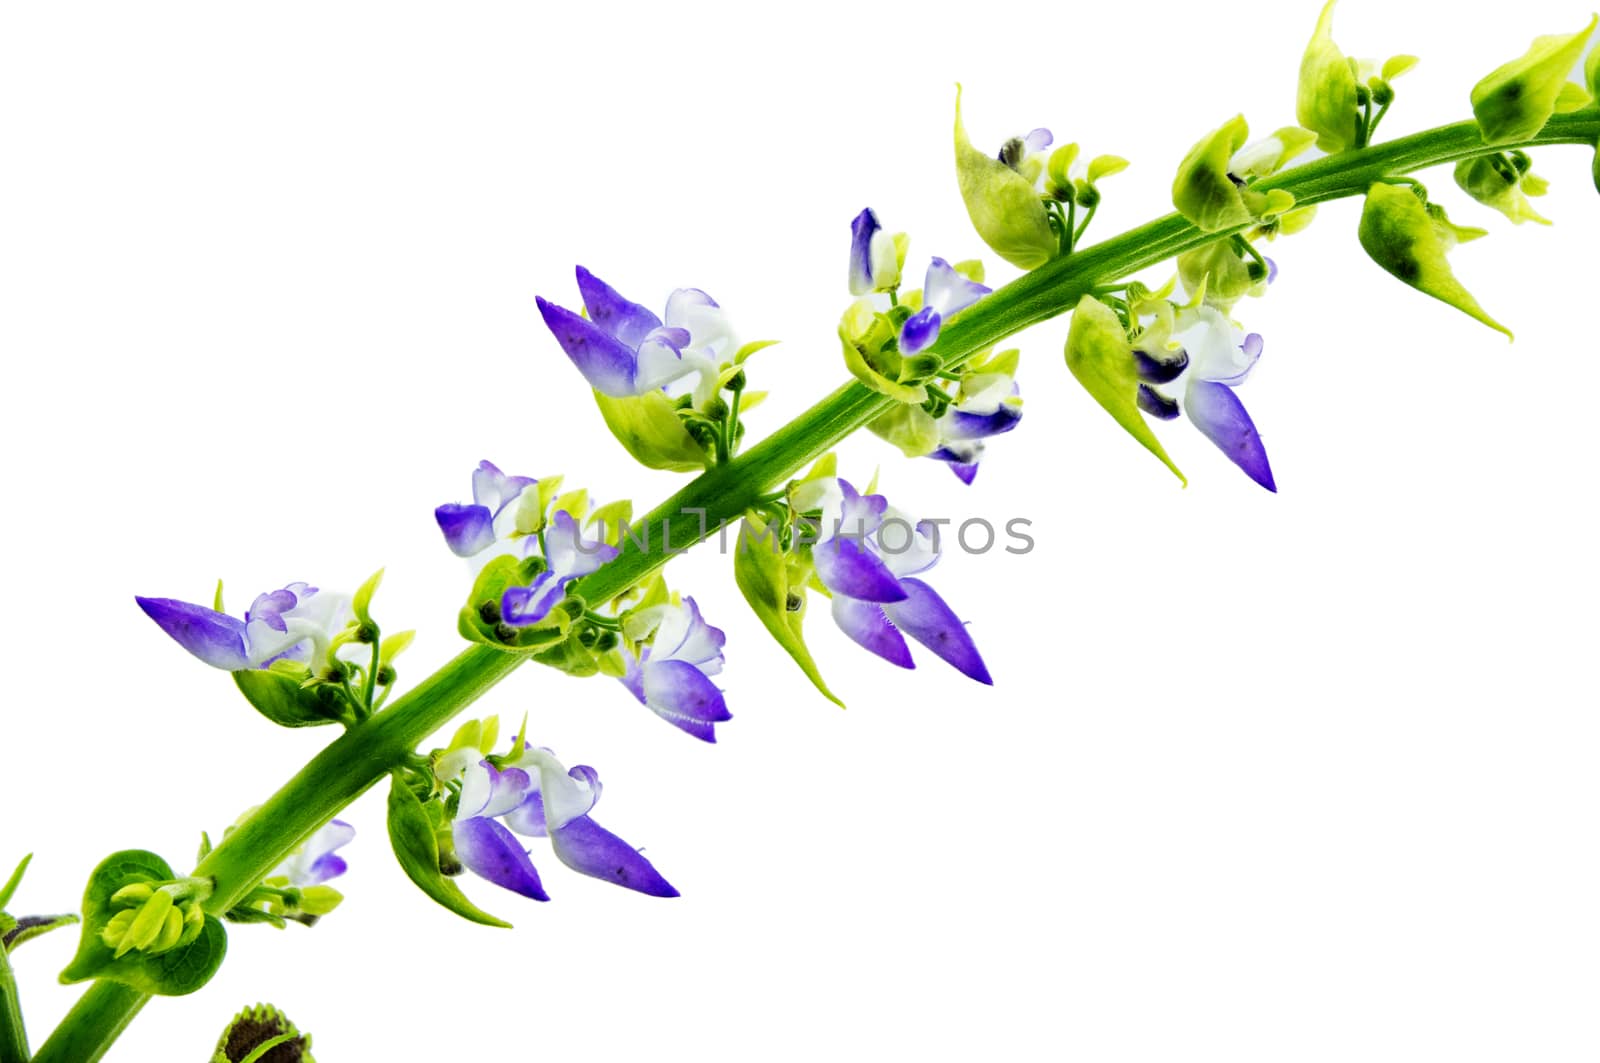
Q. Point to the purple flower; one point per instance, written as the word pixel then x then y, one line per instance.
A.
pixel 874 260
pixel 294 623
pixel 671 675
pixel 314 861
pixel 623 349
pixel 990 406
pixel 569 556
pixel 536 796
pixel 471 529
pixel 868 556
pixel 944 293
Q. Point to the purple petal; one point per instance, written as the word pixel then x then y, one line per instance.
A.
pixel 1156 404
pixel 494 490
pixel 569 553
pixel 962 464
pixel 1038 140
pixel 528 817
pixel 522 606
pixel 925 617
pixel 489 792
pixel 490 851
pixel 684 635
pixel 947 291
pixel 920 330
pixel 1217 412
pixel 859 514
pixel 957 424
pixel 1252 346
pixel 847 567
pixel 323 868
pixel 1161 370
pixel 590 849
pixel 861 230
pixel 605 363
pixel 1272 270
pixel 214 637
pixel 866 625
pixel 467 529
pixel 620 318
pixel 680 693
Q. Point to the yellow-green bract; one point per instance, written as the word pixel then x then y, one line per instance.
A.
pixel 1515 101
pixel 1326 101
pixel 1099 355
pixel 1403 238
pixel 1003 205
pixel 649 428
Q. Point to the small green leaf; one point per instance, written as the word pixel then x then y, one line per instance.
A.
pixel 31 926
pixel 762 570
pixel 1099 355
pixel 1515 101
pixel 750 348
pixel 361 604
pixel 1003 205
pixel 1401 236
pixel 411 835
pixel 649 428
pixel 394 645
pixel 1106 166
pixel 14 881
pixel 279 694
pixel 175 972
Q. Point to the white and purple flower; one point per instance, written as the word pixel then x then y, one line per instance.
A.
pixel 868 556
pixel 294 623
pixel 990 405
pixel 945 292
pixel 671 675
pixel 623 349
pixel 315 861
pixel 536 796
pixel 491 516
pixel 874 259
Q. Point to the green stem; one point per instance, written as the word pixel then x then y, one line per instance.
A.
pixel 13 1036
pixel 366 752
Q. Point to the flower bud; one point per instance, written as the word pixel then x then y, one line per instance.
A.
pixel 1516 100
pixel 1496 181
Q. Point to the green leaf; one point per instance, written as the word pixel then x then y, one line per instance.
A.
pixel 31 926
pixel 1326 100
pixel 14 881
pixel 1401 236
pixel 762 570
pixel 361 604
pixel 750 348
pixel 411 835
pixel 172 973
pixel 1003 205
pixel 1099 355
pixel 1515 101
pixel 649 428
pixel 394 645
pixel 282 697
pixel 1203 192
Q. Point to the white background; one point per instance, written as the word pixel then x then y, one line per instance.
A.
pixel 1302 777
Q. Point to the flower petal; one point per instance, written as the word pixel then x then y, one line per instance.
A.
pixel 681 694
pixel 847 567
pixel 1037 140
pixel 522 606
pixel 948 291
pixel 697 313
pixel 607 364
pixel 487 791
pixel 490 851
pixel 626 321
pixel 495 490
pixel 925 617
pixel 569 553
pixel 682 634
pixel 862 229
pixel 528 817
pixel 870 629
pixel 467 530
pixel 590 849
pixel 920 330
pixel 958 424
pixel 214 637
pixel 1217 412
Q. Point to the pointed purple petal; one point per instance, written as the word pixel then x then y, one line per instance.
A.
pixel 925 617
pixel 590 849
pixel 522 606
pixel 681 694
pixel 866 625
pixel 605 363
pixel 467 529
pixel 213 637
pixel 959 425
pixel 947 291
pixel 494 490
pixel 323 868
pixel 1038 140
pixel 1217 412
pixel 623 319
pixel 920 330
pixel 966 471
pixel 490 851
pixel 846 567
pixel 861 230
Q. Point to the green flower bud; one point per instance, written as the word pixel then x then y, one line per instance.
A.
pixel 1496 181
pixel 1403 238
pixel 319 900
pixel 1207 192
pixel 1002 203
pixel 1099 355
pixel 1226 274
pixel 171 932
pixel 133 895
pixel 1059 171
pixel 1326 101
pixel 1516 100
pixel 116 928
pixel 147 923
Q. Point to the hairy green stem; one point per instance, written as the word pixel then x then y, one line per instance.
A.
pixel 368 751
pixel 13 1036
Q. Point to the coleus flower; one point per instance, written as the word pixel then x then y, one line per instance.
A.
pixel 569 556
pixel 295 622
pixel 622 349
pixel 990 405
pixel 875 256
pixel 868 557
pixel 671 674
pixel 491 516
pixel 945 293
pixel 315 861
pixel 532 794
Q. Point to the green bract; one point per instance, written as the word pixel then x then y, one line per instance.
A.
pixel 1099 355
pixel 475 623
pixel 911 428
pixel 286 694
pixel 413 834
pixel 772 580
pixel 1203 192
pixel 1516 100
pixel 1497 181
pixel 1003 205
pixel 142 940
pixel 871 355
pixel 1326 101
pixel 1223 271
pixel 1404 238
pixel 649 428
